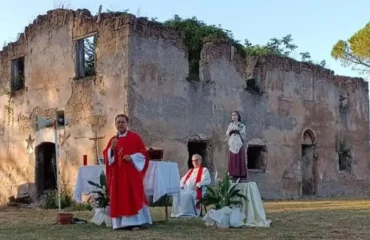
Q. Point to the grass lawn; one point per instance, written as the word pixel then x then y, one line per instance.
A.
pixel 306 219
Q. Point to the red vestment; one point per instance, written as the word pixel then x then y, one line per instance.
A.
pixel 125 184
pixel 197 180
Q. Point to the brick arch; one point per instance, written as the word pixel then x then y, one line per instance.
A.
pixel 308 137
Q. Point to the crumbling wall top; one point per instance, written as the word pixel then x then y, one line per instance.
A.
pixel 288 64
pixel 217 49
pixel 59 17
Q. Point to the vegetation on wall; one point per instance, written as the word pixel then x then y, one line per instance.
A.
pixel 196 32
pixel 278 47
pixel 9 109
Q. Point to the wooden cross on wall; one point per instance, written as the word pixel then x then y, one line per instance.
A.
pixel 95 139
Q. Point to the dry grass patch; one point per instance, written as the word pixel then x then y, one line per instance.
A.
pixel 308 219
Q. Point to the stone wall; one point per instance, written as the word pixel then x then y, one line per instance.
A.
pixel 90 104
pixel 295 97
pixel 307 97
pixel 142 70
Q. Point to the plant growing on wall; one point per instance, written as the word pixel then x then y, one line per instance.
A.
pixel 196 32
pixel 278 47
pixel 9 109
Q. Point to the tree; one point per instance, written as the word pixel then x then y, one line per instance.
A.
pixel 355 51
pixel 89 49
pixel 278 47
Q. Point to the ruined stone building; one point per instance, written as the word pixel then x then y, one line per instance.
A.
pixel 307 129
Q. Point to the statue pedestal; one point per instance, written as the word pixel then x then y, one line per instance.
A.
pixel 235 179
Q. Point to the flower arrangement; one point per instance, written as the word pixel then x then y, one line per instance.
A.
pixel 102 199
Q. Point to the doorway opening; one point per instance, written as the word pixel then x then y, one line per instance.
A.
pixel 46 178
pixel 197 147
pixel 308 164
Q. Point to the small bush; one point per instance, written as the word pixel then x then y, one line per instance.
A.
pixel 51 199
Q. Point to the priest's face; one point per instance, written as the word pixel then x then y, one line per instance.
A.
pixel 121 124
pixel 196 162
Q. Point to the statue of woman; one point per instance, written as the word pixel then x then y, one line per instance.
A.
pixel 237 166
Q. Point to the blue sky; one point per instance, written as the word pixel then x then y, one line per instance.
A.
pixel 315 25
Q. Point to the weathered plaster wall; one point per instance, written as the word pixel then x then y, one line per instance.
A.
pixel 300 97
pixel 159 96
pixel 168 111
pixel 90 103
pixel 142 70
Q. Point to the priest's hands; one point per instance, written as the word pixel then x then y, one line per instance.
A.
pixel 114 143
pixel 127 158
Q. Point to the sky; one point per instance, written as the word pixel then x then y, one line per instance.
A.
pixel 315 25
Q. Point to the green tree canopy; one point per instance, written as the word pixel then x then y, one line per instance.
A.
pixel 355 51
pixel 278 47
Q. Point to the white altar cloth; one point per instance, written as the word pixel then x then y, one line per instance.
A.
pixel 253 206
pixel 161 178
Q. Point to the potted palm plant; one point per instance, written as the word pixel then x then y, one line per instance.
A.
pixel 101 202
pixel 226 200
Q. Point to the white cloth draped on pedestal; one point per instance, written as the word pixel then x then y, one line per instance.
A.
pixel 102 216
pixel 250 214
pixel 253 206
pixel 225 217
pixel 184 203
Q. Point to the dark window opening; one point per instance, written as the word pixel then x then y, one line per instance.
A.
pixel 17 74
pixel 194 64
pixel 345 161
pixel 256 157
pixel 253 86
pixel 197 147
pixel 85 57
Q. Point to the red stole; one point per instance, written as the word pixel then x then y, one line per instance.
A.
pixel 197 180
pixel 125 184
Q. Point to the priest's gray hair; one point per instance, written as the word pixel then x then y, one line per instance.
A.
pixel 197 156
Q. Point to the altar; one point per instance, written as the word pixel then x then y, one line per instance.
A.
pixel 161 179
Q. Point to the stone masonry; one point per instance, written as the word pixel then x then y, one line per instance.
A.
pixel 307 129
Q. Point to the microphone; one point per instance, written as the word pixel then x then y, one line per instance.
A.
pixel 117 136
pixel 112 152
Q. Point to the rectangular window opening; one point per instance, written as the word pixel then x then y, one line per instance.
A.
pixel 17 74
pixel 255 156
pixel 345 161
pixel 85 57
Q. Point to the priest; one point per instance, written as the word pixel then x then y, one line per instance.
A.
pixel 126 161
pixel 193 188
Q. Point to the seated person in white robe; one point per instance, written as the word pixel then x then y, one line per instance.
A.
pixel 192 189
